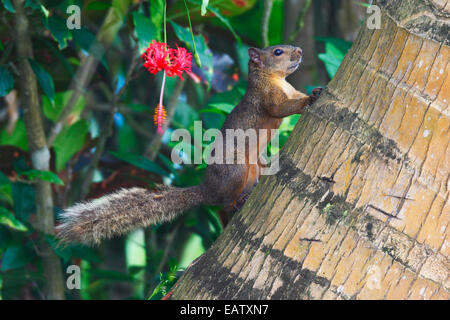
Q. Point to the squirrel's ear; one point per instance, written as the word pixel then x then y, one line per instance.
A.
pixel 255 55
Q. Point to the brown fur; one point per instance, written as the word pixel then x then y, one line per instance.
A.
pixel 268 99
pixel 124 211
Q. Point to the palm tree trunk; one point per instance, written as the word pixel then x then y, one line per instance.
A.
pixel 360 206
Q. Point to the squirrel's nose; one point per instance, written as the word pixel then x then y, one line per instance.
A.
pixel 299 51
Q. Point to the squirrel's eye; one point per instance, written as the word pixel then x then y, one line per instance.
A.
pixel 278 52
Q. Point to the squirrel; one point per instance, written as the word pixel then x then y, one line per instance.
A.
pixel 268 99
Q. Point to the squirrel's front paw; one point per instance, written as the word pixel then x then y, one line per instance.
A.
pixel 315 95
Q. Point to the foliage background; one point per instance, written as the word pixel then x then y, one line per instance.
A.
pixel 108 139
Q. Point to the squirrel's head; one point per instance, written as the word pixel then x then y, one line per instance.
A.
pixel 280 60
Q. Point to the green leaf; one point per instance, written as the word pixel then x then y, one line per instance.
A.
pixel 98 5
pixel 5 239
pixel 139 107
pixel 70 141
pixel 127 139
pixel 335 51
pixel 57 52
pixel 145 30
pixel 169 165
pixel 204 6
pixel 54 110
pixel 17 138
pixel 87 41
pixel 226 22
pixel 225 107
pixel 289 123
pixel 242 55
pixel 234 96
pixel 211 110
pixel 64 253
pixel 84 38
pixel 196 55
pixel 248 25
pixel 185 115
pixel 204 52
pixel 5 189
pixel 140 162
pixel 44 79
pixel 8 219
pixel 33 4
pixel 157 14
pixel 59 30
pixel 216 12
pixel 16 256
pixel 365 5
pixel 43 175
pixel 85 253
pixel 214 218
pixel 166 282
pixel 8 6
pixel 331 63
pixel 192 250
pixel 23 197
pixel 226 7
pixel 6 82
pixel 341 45
pixel 4 179
pixel 44 10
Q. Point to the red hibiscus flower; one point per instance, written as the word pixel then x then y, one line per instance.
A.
pixel 180 61
pixel 156 57
pixel 159 57
pixel 173 62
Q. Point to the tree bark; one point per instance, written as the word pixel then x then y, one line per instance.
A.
pixel 40 155
pixel 359 209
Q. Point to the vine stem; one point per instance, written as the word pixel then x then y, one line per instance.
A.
pixel 197 57
pixel 165 21
pixel 268 4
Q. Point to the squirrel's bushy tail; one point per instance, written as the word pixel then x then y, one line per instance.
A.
pixel 123 211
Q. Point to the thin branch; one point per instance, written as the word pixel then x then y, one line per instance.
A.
pixel 85 187
pixel 82 77
pixel 137 127
pixel 84 73
pixel 268 4
pixel 105 107
pixel 170 239
pixel 301 20
pixel 167 248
